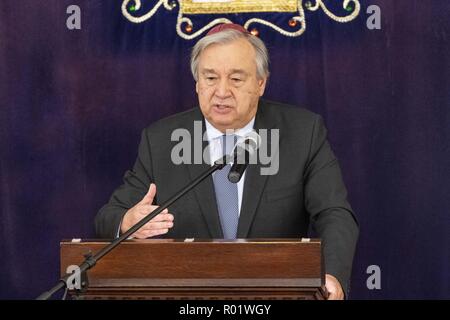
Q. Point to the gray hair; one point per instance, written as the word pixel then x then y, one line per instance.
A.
pixel 227 36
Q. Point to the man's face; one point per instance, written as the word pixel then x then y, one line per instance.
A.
pixel 228 88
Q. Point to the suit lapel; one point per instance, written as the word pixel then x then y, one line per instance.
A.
pixel 253 186
pixel 204 192
pixel 254 182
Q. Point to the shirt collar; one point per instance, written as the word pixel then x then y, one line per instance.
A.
pixel 213 133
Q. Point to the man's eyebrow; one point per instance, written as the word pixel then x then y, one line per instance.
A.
pixel 206 70
pixel 238 71
pixel 232 72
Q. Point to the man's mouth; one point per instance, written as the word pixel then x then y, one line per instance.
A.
pixel 222 108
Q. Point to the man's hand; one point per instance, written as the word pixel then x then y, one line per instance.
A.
pixel 157 226
pixel 334 288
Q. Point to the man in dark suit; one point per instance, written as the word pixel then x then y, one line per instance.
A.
pixel 230 67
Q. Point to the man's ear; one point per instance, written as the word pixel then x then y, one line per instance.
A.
pixel 262 86
pixel 196 87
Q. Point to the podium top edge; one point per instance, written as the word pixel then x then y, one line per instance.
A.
pixel 197 241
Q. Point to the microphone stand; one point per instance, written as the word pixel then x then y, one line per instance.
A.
pixel 91 260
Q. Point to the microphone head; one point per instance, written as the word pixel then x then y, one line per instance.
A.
pixel 243 151
pixel 250 142
pixel 234 176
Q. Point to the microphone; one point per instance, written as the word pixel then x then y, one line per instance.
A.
pixel 244 149
pixel 91 260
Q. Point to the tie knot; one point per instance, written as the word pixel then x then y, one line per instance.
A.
pixel 228 141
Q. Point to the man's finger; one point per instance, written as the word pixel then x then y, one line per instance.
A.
pixel 332 296
pixel 334 288
pixel 150 233
pixel 145 209
pixel 163 216
pixel 139 235
pixel 158 225
pixel 148 198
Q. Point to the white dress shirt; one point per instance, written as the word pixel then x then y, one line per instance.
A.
pixel 215 148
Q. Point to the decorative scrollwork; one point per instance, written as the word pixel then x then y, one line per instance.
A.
pixel 137 5
pixel 345 5
pixel 130 8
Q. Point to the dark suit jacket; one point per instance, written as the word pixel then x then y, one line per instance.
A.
pixel 307 188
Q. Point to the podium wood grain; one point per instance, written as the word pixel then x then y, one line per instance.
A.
pixel 201 269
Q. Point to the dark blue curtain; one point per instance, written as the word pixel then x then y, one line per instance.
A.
pixel 73 103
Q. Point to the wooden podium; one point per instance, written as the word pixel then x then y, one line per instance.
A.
pixel 201 269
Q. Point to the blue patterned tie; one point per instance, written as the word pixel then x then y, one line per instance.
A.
pixel 227 193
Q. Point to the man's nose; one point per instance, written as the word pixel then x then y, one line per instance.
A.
pixel 223 89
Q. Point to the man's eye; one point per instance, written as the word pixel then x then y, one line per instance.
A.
pixel 211 78
pixel 236 80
